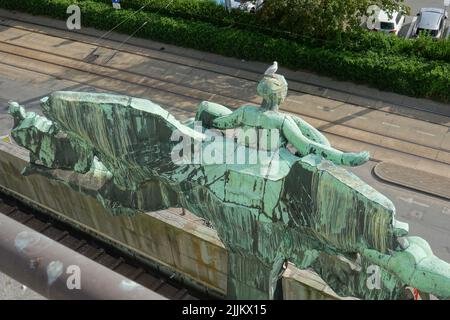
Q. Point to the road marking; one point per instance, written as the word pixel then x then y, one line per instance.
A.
pixel 425 133
pixel 416 214
pixel 391 125
pixel 411 26
pixel 412 201
pixel 294 101
pixel 446 211
pixel 357 117
pixel 328 109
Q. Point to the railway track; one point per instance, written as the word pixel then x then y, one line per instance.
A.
pixel 72 68
pixel 97 250
pixel 196 66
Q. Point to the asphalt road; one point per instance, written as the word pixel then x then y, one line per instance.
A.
pixel 415 5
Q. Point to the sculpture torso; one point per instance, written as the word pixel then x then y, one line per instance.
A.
pixel 260 129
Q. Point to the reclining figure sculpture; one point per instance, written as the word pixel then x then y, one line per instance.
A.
pixel 287 205
pixel 294 130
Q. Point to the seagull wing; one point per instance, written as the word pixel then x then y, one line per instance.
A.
pixel 271 70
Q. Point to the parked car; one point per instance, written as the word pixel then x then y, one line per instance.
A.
pixel 252 6
pixel 245 5
pixel 432 21
pixel 388 22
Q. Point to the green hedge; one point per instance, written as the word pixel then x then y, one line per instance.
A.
pixel 200 10
pixel 410 75
pixel 423 47
pixel 360 40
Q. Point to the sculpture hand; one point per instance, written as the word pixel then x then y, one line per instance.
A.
pixel 355 159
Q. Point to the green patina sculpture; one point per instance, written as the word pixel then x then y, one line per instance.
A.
pixel 304 137
pixel 267 202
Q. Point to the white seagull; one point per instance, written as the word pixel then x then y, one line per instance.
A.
pixel 272 69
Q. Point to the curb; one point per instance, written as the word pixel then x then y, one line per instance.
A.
pixel 418 180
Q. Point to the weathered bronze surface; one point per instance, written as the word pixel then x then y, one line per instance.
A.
pixel 286 205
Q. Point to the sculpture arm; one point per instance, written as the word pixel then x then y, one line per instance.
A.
pixel 310 132
pixel 229 121
pixel 306 146
pixel 208 111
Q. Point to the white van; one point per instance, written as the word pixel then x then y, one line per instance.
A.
pixel 387 22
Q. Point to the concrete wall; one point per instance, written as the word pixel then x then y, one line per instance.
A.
pixel 306 285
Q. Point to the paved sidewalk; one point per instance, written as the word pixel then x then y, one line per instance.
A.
pixel 10 289
pixel 414 179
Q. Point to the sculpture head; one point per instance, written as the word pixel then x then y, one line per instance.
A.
pixel 273 90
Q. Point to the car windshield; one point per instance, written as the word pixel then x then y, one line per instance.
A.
pixel 433 33
pixel 387 25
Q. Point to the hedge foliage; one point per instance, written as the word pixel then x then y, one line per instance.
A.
pixel 360 40
pixel 200 10
pixel 404 74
